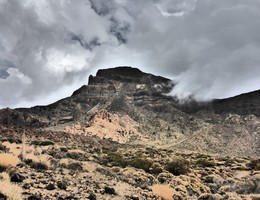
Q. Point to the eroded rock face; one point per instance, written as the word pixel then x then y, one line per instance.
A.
pixel 103 89
pixel 13 117
pixel 128 93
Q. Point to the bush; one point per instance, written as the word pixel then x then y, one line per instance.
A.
pixel 75 154
pixel 254 164
pixel 75 166
pixel 115 159
pixel 229 162
pixel 8 161
pixel 141 163
pixel 204 162
pixel 42 142
pixel 178 166
pixel 41 162
pixel 156 168
pixel 12 140
pixel 36 165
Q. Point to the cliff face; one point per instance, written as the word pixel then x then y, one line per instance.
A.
pixel 228 126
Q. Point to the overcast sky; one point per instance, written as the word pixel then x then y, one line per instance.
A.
pixel 49 47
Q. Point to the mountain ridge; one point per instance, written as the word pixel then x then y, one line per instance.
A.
pixel 143 97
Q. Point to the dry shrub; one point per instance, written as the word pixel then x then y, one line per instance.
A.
pixel 178 166
pixel 8 161
pixel 13 148
pixel 75 154
pixel 89 166
pixel 163 191
pixel 64 162
pixel 70 164
pixel 11 191
pixel 38 161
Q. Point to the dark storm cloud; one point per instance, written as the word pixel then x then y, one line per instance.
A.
pixel 211 48
pixel 3 74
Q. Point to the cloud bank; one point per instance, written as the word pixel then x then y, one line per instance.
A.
pixel 48 48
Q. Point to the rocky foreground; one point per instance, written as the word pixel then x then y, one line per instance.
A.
pixel 123 136
pixel 68 166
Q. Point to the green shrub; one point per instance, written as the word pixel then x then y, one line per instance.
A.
pixel 204 162
pixel 229 162
pixel 254 164
pixel 42 142
pixel 156 168
pixel 178 166
pixel 115 159
pixel 12 140
pixel 140 163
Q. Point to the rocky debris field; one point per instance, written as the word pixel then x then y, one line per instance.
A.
pixel 65 166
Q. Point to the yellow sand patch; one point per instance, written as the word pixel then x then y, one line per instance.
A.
pixel 163 191
pixel 8 160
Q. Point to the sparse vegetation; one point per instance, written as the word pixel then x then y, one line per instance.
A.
pixel 156 168
pixel 178 166
pixel 229 161
pixel 204 162
pixel 254 164
pixel 115 159
pixel 36 164
pixel 40 162
pixel 42 142
pixel 140 163
pixel 12 140
pixel 75 154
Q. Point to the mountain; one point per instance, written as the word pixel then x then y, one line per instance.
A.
pixel 244 104
pixel 118 137
pixel 227 126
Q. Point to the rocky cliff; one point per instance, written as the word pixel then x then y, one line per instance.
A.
pixel 228 126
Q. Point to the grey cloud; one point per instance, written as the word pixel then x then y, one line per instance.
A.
pixel 102 7
pixel 36 37
pixel 3 74
pixel 211 48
